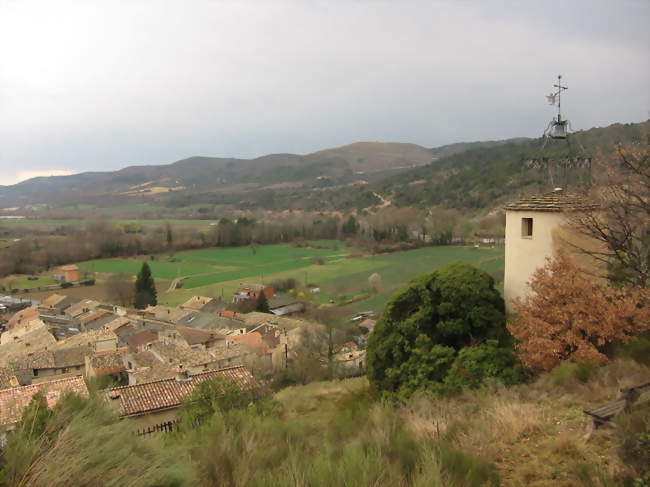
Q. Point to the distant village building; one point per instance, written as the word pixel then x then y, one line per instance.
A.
pixel 250 292
pixel 286 306
pixel 532 227
pixel 204 303
pixel 66 273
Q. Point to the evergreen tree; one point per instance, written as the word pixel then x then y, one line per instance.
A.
pixel 262 304
pixel 145 288
pixel 169 236
pixel 425 325
pixel 350 227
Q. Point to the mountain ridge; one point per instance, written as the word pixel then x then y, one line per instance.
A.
pixel 330 166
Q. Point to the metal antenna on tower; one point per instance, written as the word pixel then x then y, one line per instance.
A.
pixel 557 129
pixel 560 159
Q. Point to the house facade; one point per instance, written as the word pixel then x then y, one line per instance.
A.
pixel 66 273
pixel 533 228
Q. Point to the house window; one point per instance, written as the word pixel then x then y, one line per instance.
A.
pixel 527 228
pixel 35 372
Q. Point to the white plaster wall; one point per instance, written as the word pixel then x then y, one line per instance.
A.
pixel 525 255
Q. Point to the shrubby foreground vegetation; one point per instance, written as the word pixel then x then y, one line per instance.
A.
pixel 444 331
pixel 342 433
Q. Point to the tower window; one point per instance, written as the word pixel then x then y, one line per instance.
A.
pixel 527 227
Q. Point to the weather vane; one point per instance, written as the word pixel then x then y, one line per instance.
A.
pixel 557 129
pixel 558 161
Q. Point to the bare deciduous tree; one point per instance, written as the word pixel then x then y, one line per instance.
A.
pixel 119 289
pixel 620 219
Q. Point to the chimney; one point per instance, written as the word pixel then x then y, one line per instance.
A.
pixel 182 375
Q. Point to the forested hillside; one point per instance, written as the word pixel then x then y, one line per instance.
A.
pixel 483 178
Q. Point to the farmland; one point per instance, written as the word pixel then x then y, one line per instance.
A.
pixel 341 274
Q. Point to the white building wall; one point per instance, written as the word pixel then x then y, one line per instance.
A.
pixel 523 255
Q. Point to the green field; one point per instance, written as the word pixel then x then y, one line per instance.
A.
pixel 218 271
pixel 22 282
pixel 216 265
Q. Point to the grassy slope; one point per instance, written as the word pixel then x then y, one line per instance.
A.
pixel 535 434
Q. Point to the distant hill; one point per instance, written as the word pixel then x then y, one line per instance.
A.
pixel 486 177
pixel 471 177
pixel 211 179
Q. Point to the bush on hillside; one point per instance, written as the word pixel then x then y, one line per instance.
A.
pixel 475 364
pixel 570 317
pixel 81 442
pixel 423 327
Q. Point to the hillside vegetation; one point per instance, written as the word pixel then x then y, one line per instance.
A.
pixel 466 176
pixel 338 433
pixel 485 177
pixel 244 182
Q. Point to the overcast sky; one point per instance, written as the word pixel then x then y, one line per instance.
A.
pixel 98 85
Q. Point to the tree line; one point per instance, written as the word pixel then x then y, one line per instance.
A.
pixel 102 238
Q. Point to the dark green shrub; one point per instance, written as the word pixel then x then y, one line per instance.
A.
pixel 475 364
pixel 427 322
pixel 466 469
pixel 638 350
pixel 66 285
pixel 568 373
pixel 633 430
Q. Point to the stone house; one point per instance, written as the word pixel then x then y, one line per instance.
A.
pixel 152 403
pixel 141 340
pixel 15 399
pixel 250 292
pixel 66 273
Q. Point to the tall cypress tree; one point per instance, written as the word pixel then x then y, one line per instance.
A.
pixel 262 304
pixel 145 288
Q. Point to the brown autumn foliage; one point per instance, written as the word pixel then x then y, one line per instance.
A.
pixel 570 317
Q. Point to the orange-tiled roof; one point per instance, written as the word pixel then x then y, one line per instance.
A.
pixel 94 316
pixel 23 316
pixel 70 267
pixel 14 400
pixel 558 200
pixel 52 300
pixel 142 338
pixel 164 394
pixel 7 378
pixel 194 335
pixel 196 302
pixel 254 340
pixel 108 362
pixel 117 323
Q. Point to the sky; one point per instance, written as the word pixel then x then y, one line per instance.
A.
pixel 90 85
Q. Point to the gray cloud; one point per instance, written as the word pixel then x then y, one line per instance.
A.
pixel 90 85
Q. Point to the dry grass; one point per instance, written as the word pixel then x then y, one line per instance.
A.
pixel 536 433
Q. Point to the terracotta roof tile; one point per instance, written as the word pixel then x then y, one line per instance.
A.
pixel 108 363
pixel 194 335
pixel 558 200
pixel 164 394
pixel 14 400
pixel 7 378
pixel 142 338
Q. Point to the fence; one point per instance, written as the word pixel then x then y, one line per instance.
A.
pixel 167 427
